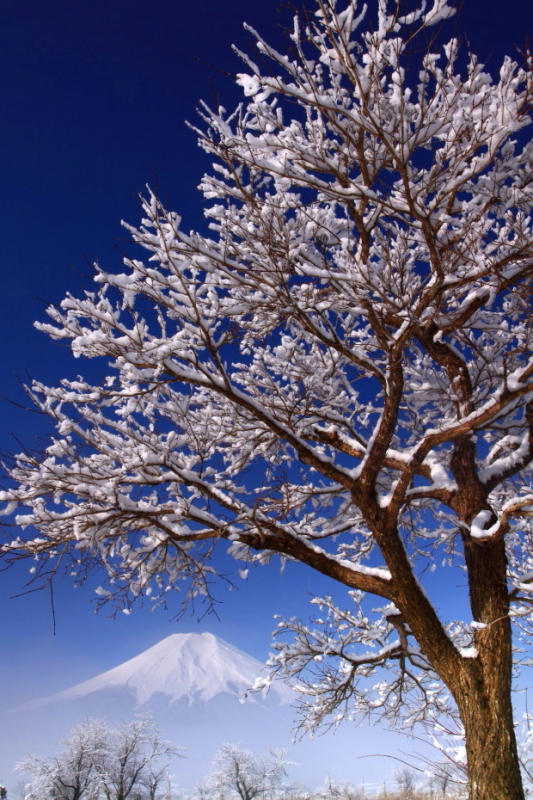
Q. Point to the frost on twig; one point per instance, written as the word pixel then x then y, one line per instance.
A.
pixel 336 369
pixel 348 664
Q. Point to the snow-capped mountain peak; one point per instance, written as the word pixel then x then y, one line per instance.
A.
pixel 195 666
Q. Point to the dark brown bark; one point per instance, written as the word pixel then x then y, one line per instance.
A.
pixel 484 699
pixel 480 685
pixel 492 758
pixel 485 706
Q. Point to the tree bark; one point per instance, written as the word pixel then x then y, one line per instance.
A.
pixel 484 698
pixel 492 757
pixel 484 701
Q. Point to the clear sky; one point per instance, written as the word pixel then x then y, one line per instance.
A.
pixel 94 95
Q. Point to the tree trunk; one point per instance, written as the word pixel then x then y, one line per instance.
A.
pixel 484 700
pixel 492 758
pixel 481 684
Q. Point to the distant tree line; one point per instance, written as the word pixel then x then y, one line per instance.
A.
pixel 132 762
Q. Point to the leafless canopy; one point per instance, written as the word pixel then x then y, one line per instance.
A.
pixel 338 372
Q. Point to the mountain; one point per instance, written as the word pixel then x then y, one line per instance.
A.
pixel 194 666
pixel 194 685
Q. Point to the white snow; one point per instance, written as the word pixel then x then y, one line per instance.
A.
pixel 195 666
pixel 468 652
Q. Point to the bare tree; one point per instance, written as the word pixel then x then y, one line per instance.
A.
pixel 75 773
pixel 406 781
pixel 202 791
pixel 126 763
pixel 18 791
pixel 354 332
pixel 238 772
pixel 135 766
pixel 341 790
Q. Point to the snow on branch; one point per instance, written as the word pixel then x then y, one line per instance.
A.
pixel 336 369
pixel 349 664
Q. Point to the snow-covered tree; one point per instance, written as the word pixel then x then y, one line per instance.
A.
pixel 102 763
pixel 136 761
pixel 337 371
pixel 340 790
pixel 239 773
pixel 74 774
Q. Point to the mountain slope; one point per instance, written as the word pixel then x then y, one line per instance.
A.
pixel 195 666
pixel 192 685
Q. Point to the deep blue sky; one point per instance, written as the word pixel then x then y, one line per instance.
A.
pixel 94 95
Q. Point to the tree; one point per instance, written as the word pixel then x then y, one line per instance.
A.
pixel 406 781
pixel 238 772
pixel 338 371
pixel 75 773
pixel 136 762
pixel 340 790
pixel 126 763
